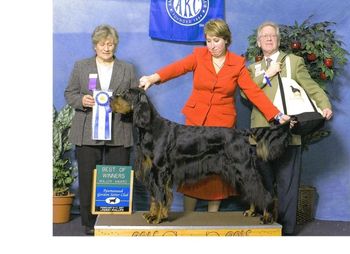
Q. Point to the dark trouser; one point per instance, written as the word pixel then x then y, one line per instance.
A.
pixel 285 173
pixel 88 157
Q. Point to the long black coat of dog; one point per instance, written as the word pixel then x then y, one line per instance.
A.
pixel 168 153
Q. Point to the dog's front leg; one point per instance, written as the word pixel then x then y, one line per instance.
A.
pixel 153 211
pixel 164 209
pixel 158 212
pixel 161 215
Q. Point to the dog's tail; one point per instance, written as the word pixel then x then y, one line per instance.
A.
pixel 271 142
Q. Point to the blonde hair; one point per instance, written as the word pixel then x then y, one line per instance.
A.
pixel 219 28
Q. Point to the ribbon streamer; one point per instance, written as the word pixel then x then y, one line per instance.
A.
pixel 102 100
pixel 92 81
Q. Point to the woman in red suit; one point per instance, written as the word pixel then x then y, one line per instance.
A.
pixel 216 74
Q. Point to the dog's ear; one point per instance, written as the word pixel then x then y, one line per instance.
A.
pixel 113 102
pixel 142 112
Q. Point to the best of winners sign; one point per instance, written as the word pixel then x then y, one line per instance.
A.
pixel 112 190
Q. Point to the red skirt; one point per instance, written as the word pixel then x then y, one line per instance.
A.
pixel 209 188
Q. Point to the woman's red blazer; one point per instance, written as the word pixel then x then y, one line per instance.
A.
pixel 212 102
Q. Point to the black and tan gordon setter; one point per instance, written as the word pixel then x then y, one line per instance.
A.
pixel 169 153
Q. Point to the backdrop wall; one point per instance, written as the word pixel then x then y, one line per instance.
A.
pixel 325 164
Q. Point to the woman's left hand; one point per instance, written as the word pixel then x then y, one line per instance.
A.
pixel 284 119
pixel 147 81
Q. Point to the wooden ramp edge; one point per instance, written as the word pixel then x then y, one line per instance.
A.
pixel 186 224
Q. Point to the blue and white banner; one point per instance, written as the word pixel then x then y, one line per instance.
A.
pixel 182 20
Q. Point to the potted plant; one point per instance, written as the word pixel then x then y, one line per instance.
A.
pixel 63 171
pixel 317 43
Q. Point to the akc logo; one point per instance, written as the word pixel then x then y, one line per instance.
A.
pixel 187 12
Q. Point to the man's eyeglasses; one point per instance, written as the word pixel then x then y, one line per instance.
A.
pixel 266 36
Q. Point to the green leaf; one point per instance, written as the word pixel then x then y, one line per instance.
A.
pixel 63 172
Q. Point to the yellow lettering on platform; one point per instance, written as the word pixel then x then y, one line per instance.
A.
pixel 154 233
pixel 190 232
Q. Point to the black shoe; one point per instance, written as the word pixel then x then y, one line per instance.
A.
pixel 288 234
pixel 89 230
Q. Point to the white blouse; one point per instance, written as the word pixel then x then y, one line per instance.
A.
pixel 104 74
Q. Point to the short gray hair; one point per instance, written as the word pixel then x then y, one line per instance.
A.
pixel 103 32
pixel 272 24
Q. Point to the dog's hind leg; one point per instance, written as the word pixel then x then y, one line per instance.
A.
pixel 251 212
pixel 253 190
pixel 266 218
pixel 271 213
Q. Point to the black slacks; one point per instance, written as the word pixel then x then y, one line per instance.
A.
pixel 88 157
pixel 282 177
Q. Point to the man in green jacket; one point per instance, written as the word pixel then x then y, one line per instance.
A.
pixel 284 173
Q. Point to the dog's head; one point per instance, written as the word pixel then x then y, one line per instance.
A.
pixel 271 142
pixel 135 101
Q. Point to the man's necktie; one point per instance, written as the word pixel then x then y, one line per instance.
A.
pixel 268 62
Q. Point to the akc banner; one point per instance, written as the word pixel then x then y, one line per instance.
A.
pixel 182 20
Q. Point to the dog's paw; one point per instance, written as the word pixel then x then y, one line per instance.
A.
pixel 249 213
pixel 149 217
pixel 266 218
pixel 153 219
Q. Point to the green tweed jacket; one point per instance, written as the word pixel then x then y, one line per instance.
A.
pixel 299 73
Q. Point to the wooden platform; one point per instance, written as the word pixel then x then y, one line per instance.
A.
pixel 186 224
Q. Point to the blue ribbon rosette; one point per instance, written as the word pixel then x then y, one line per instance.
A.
pixel 102 123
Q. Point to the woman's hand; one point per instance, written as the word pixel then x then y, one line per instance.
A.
pixel 88 101
pixel 147 81
pixel 284 118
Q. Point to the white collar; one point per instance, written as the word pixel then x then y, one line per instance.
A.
pixel 274 56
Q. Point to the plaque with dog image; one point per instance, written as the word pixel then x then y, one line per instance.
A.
pixel 112 190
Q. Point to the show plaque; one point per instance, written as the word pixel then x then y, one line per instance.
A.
pixel 112 190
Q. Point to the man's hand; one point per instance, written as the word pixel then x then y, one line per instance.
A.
pixel 273 69
pixel 327 113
